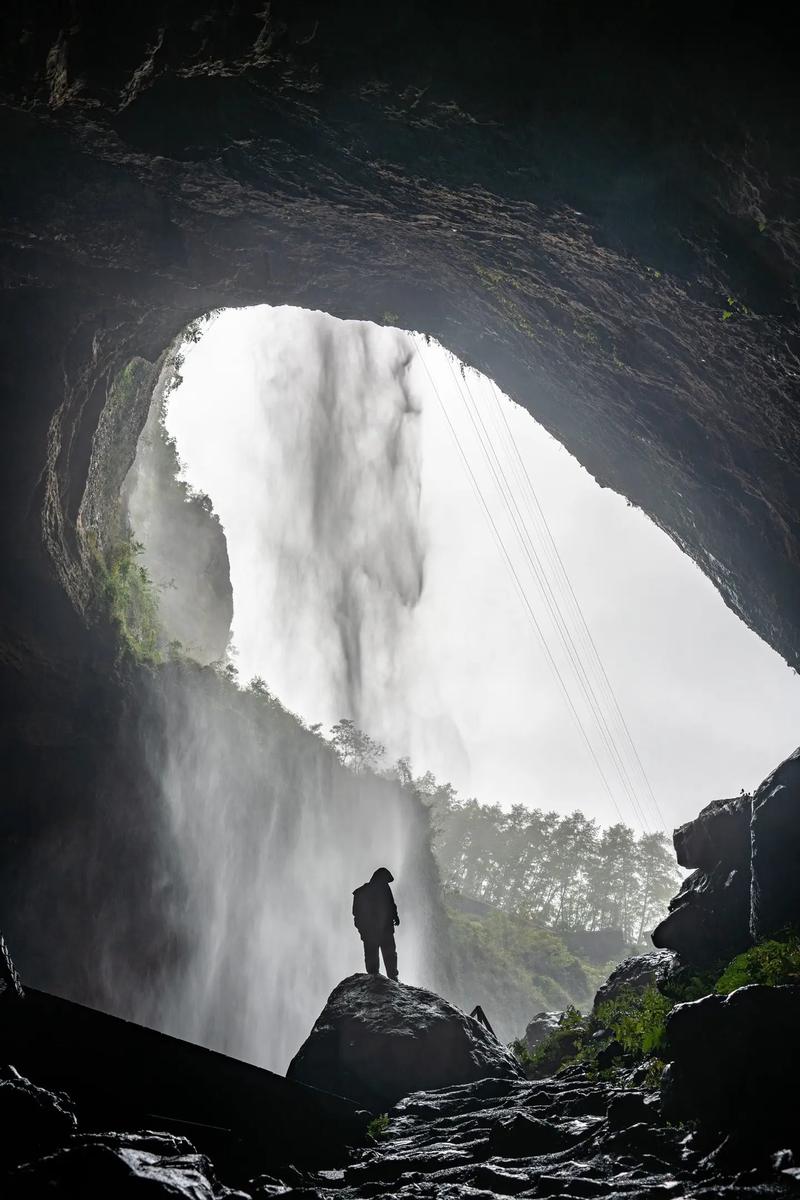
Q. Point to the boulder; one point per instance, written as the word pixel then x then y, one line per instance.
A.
pixel 121 1166
pixel 637 973
pixel 542 1025
pixel 377 1041
pixel 33 1121
pixel 709 919
pixel 719 833
pixel 775 838
pixel 734 1062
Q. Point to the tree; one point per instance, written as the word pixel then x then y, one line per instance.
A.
pixel 658 878
pixel 355 749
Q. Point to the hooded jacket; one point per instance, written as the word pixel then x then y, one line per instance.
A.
pixel 374 909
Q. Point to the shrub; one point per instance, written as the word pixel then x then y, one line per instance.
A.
pixel 378 1127
pixel 771 962
pixel 131 599
pixel 637 1020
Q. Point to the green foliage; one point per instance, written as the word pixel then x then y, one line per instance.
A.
pixel 683 986
pixel 637 1020
pixel 378 1127
pixel 130 598
pixel 390 318
pixel 771 962
pixel 561 1048
pixel 512 967
pixel 735 308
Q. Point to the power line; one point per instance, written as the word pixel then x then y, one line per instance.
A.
pixel 561 569
pixel 521 591
pixel 548 595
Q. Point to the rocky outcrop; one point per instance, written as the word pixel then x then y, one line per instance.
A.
pixel 125 1166
pixel 775 838
pixel 734 1062
pixel 33 1121
pixel 636 974
pixel 746 885
pixel 184 547
pixel 377 1041
pixel 719 833
pixel 708 920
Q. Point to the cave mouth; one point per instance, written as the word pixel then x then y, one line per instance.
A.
pixel 331 509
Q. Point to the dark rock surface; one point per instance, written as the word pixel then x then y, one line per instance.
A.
pixel 719 833
pixel 747 883
pixel 564 1136
pixel 775 833
pixel 734 1061
pixel 637 973
pixel 708 920
pixel 121 1166
pixel 32 1119
pixel 377 1041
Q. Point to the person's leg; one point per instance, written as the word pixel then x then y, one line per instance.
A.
pixel 389 952
pixel 371 961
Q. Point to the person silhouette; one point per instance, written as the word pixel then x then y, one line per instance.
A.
pixel 375 916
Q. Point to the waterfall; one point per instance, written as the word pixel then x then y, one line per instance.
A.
pixel 270 833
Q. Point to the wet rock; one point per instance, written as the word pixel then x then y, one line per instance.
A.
pixel 637 973
pixel 500 1180
pixel 33 1121
pixel 629 1108
pixel 542 1025
pixel 709 919
pixel 377 1041
pixel 524 1135
pixel 775 834
pixel 571 1185
pixel 731 1060
pixel 121 1166
pixel 719 833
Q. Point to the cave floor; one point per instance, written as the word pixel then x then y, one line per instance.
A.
pixel 563 1136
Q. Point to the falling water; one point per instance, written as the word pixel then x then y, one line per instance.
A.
pixel 271 833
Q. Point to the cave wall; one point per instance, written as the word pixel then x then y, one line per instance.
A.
pixel 183 544
pixel 597 209
pixel 570 201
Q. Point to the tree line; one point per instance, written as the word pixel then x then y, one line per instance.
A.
pixel 562 870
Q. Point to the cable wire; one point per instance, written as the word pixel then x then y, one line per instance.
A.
pixel 521 591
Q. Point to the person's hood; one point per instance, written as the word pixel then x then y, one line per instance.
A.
pixel 382 875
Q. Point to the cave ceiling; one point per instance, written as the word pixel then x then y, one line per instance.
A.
pixel 598 210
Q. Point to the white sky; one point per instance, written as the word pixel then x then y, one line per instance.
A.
pixel 465 688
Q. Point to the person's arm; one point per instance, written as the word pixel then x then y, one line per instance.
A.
pixel 395 917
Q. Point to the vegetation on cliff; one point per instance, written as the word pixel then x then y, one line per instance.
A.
pixel 631 1028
